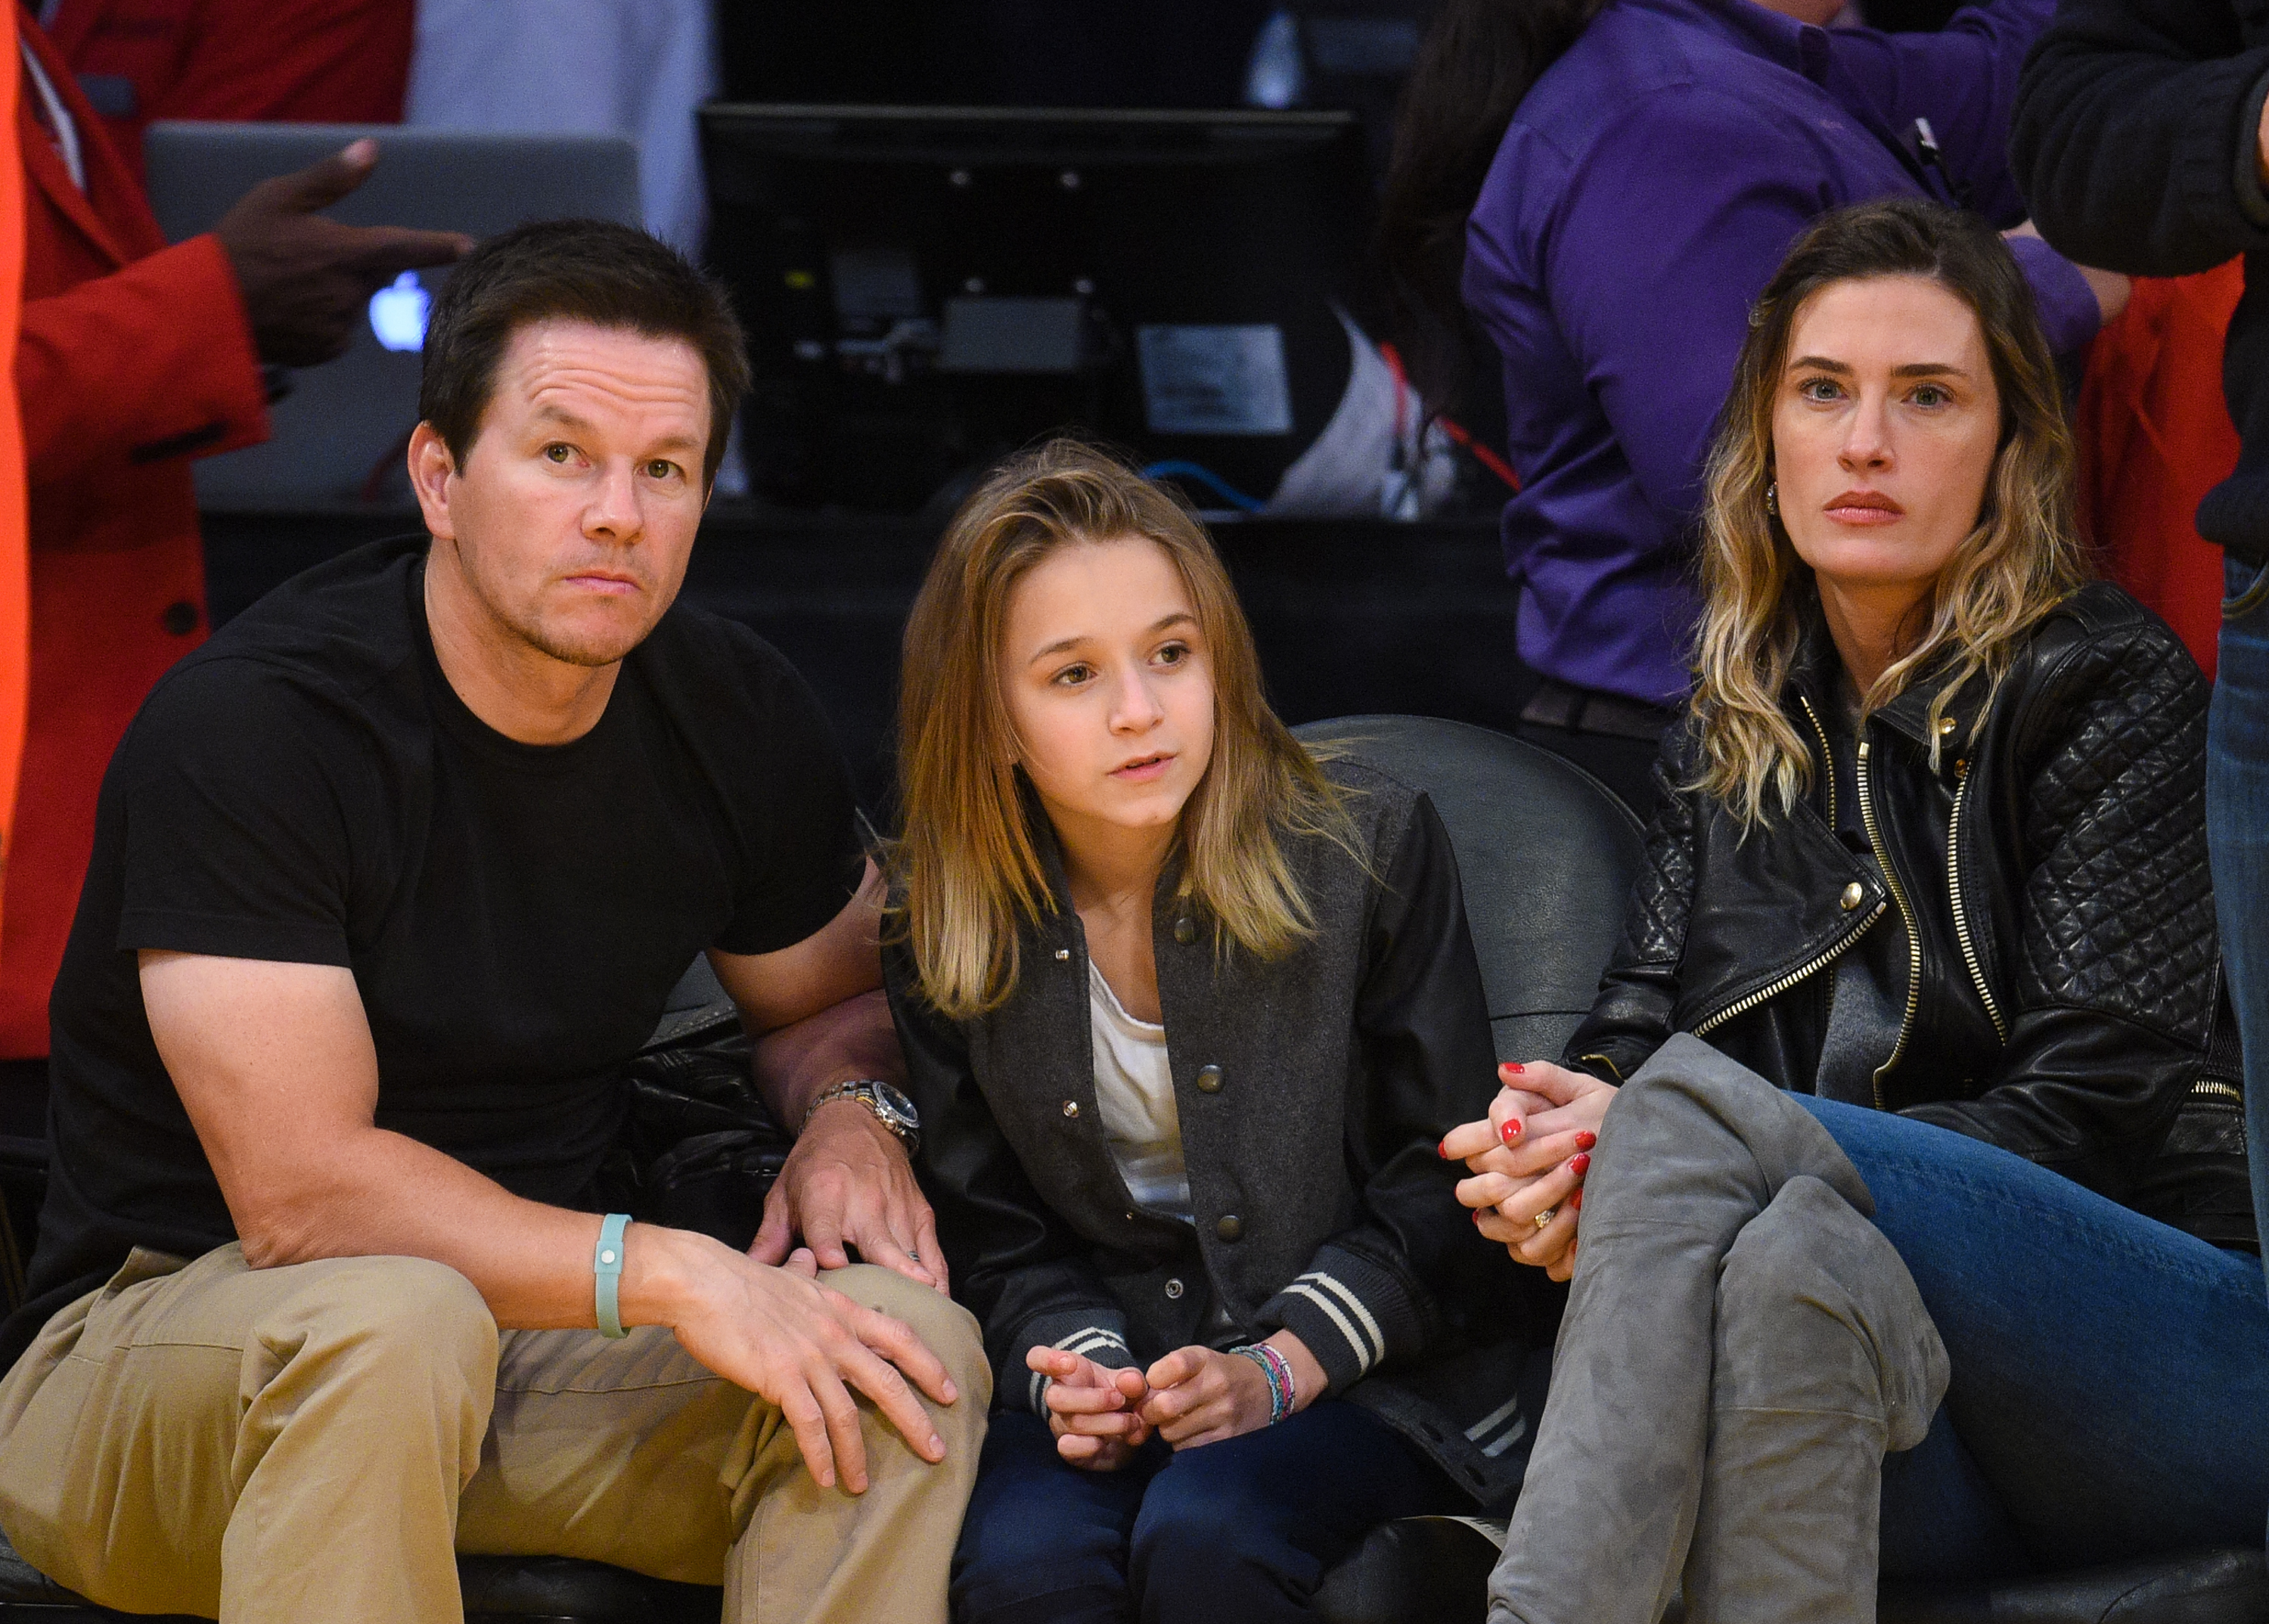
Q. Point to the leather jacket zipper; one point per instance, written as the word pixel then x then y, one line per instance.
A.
pixel 1826 759
pixel 1906 915
pixel 1835 950
pixel 1775 988
pixel 1961 919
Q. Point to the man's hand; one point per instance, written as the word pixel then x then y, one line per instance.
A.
pixel 306 279
pixel 1094 1413
pixel 847 1183
pixel 1528 1158
pixel 791 1340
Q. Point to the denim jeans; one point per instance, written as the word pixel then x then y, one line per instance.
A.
pixel 2237 835
pixel 2110 1374
pixel 1243 1529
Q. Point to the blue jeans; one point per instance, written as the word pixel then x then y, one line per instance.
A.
pixel 2237 834
pixel 1243 1529
pixel 2111 1389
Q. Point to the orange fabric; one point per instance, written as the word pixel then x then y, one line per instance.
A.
pixel 2155 437
pixel 15 568
pixel 320 61
pixel 131 355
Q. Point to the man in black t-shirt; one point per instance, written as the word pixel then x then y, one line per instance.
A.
pixel 391 879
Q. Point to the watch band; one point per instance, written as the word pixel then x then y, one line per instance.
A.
pixel 866 1092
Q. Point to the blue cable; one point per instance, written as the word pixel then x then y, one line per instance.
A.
pixel 1205 476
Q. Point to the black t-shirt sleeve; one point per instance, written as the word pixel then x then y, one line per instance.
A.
pixel 799 817
pixel 235 785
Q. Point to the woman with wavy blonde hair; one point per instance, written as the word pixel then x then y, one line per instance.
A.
pixel 1187 1011
pixel 1911 1078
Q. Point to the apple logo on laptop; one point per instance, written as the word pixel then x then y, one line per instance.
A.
pixel 397 313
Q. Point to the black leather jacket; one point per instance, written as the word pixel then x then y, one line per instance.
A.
pixel 2030 920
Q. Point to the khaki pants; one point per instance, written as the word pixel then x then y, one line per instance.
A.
pixel 300 1444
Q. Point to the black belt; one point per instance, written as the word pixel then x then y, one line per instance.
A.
pixel 1556 704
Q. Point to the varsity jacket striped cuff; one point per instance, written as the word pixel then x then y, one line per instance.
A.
pixel 1099 1334
pixel 1352 1314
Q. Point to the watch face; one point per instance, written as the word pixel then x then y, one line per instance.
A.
pixel 893 1099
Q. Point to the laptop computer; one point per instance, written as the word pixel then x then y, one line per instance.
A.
pixel 340 435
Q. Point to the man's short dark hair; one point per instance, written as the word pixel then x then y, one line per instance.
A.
pixel 597 271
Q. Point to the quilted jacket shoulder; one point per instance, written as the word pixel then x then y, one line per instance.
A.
pixel 2046 856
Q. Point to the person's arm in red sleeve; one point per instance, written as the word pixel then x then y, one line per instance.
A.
pixel 156 358
pixel 323 61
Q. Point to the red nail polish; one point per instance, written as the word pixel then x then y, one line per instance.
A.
pixel 1477 1217
pixel 1586 1140
pixel 1442 1149
pixel 1511 1131
pixel 1575 1204
pixel 1579 1165
pixel 1514 1066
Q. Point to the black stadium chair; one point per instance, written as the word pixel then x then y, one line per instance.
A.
pixel 1546 855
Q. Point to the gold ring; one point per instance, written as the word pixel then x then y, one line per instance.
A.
pixel 1544 1218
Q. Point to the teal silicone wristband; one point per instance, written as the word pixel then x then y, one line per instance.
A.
pixel 607 1270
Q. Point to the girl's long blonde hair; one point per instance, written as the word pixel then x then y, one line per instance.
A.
pixel 2021 557
pixel 966 869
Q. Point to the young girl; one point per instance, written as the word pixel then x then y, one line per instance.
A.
pixel 1187 1013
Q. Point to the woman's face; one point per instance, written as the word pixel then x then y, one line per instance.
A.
pixel 1108 685
pixel 1884 430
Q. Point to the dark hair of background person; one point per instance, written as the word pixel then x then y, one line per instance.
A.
pixel 608 275
pixel 2019 560
pixel 1478 60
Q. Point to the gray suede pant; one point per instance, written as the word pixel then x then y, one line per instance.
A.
pixel 1742 1348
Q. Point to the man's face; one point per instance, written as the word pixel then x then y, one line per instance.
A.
pixel 574 513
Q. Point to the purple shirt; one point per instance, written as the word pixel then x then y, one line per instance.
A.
pixel 1645 193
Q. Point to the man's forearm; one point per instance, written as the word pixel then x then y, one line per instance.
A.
pixel 381 1194
pixel 797 1064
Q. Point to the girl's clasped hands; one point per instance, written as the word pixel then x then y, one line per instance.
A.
pixel 1193 1396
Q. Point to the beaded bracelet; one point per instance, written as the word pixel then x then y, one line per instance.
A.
pixel 1278 1370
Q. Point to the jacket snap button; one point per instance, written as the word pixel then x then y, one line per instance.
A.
pixel 1945 726
pixel 1854 894
pixel 1185 930
pixel 1229 1227
pixel 180 619
pixel 1071 1108
pixel 1209 1079
pixel 1063 954
pixel 1173 1289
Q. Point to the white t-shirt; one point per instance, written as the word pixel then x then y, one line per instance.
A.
pixel 1134 1089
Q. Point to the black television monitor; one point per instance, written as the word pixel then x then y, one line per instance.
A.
pixel 929 288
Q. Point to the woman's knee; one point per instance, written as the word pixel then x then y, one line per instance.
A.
pixel 1817 1310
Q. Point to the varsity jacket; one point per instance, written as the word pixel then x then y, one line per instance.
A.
pixel 1313 1093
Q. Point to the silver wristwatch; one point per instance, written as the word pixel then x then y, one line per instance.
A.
pixel 888 1103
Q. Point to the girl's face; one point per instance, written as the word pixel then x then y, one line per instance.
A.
pixel 1108 685
pixel 1884 432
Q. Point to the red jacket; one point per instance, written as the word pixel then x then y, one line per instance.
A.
pixel 133 356
pixel 2155 437
pixel 323 61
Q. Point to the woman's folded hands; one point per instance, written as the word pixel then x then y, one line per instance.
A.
pixel 1528 1158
